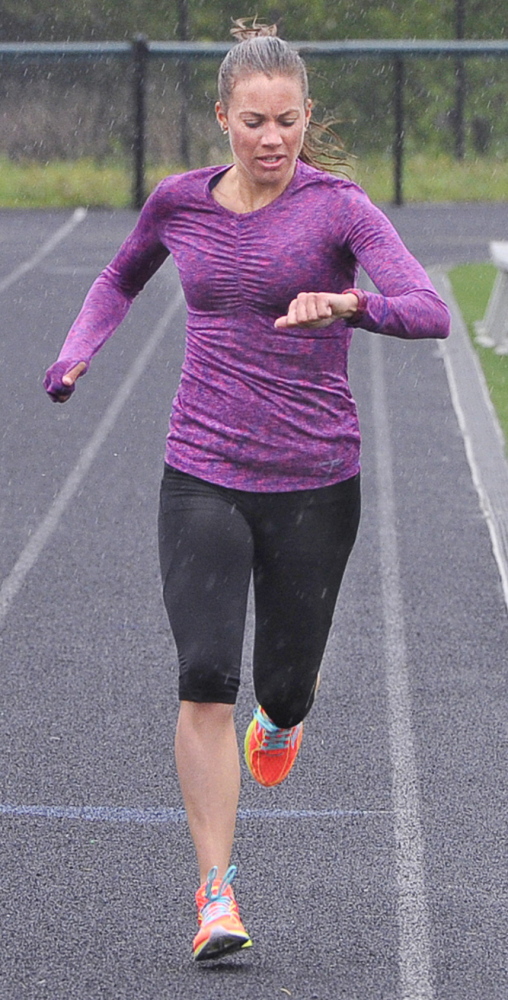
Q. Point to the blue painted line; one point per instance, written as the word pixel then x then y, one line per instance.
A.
pixel 305 813
pixel 117 814
pixel 94 814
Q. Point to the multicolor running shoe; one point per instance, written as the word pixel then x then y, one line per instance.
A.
pixel 221 931
pixel 270 752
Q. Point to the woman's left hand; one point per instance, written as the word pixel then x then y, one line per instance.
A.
pixel 316 309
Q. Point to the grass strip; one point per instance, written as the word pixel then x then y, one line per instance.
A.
pixel 472 285
pixel 69 183
pixel 428 177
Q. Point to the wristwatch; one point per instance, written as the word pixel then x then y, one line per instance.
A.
pixel 362 301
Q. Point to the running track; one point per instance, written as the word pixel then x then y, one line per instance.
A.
pixel 379 871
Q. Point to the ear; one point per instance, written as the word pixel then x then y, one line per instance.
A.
pixel 221 117
pixel 308 110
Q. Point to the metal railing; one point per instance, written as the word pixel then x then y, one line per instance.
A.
pixel 141 51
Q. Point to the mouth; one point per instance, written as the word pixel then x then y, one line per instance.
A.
pixel 271 161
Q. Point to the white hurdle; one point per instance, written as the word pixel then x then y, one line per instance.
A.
pixel 492 330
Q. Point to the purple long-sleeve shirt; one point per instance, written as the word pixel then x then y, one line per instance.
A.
pixel 259 408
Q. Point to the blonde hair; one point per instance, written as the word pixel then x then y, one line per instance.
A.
pixel 260 50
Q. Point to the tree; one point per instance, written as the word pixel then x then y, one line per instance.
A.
pixel 22 20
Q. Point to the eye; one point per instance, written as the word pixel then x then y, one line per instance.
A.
pixel 286 123
pixel 253 124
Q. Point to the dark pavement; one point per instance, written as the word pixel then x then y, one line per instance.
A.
pixel 379 870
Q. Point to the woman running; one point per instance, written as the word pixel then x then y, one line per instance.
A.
pixel 261 472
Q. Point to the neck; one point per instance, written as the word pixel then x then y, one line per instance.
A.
pixel 238 193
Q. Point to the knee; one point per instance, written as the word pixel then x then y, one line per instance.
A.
pixel 202 715
pixel 285 716
pixel 285 706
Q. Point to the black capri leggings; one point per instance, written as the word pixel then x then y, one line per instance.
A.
pixel 296 545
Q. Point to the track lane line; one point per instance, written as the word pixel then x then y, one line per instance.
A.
pixel 28 265
pixel 413 915
pixel 163 815
pixel 45 529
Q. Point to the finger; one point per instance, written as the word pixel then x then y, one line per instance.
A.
pixel 71 377
pixel 281 323
pixel 289 319
pixel 324 306
pixel 292 313
pixel 61 395
pixel 306 308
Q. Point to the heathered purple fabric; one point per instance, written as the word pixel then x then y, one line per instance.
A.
pixel 257 408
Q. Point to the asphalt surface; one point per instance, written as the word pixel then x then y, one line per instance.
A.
pixel 379 870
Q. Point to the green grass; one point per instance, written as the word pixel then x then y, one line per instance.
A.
pixel 68 183
pixel 436 178
pixel 472 284
pixel 62 184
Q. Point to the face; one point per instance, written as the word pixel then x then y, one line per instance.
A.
pixel 266 121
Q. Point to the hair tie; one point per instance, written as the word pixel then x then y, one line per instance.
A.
pixel 243 31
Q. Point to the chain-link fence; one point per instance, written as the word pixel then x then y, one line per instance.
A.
pixel 152 103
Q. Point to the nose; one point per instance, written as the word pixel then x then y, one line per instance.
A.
pixel 271 135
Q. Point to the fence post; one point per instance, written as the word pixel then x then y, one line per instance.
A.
pixel 184 84
pixel 398 140
pixel 460 85
pixel 140 58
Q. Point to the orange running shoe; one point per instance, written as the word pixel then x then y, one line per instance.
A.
pixel 221 931
pixel 270 752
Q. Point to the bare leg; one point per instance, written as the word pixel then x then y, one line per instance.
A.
pixel 209 771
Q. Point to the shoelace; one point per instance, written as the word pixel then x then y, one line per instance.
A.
pixel 219 904
pixel 273 737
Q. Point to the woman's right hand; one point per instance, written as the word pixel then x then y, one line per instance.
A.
pixel 318 309
pixel 60 380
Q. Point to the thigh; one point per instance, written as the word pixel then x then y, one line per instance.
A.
pixel 300 559
pixel 206 551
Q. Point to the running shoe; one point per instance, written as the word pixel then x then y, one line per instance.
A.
pixel 270 752
pixel 221 931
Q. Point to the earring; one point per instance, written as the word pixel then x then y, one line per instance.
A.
pixel 224 129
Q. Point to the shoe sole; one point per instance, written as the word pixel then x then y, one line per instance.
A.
pixel 246 747
pixel 221 944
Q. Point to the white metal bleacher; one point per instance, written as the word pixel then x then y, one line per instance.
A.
pixel 492 330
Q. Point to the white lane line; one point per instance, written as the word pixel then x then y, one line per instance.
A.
pixel 28 265
pixel 479 426
pixel 413 917
pixel 13 583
